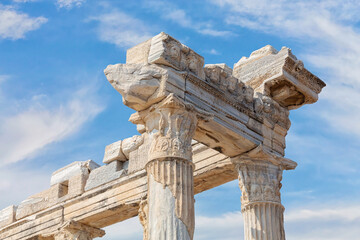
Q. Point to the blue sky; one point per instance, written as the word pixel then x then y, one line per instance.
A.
pixel 56 106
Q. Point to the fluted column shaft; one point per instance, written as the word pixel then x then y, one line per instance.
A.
pixel 168 213
pixel 260 175
pixel 263 221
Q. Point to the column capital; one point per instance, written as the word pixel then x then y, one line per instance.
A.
pixel 172 124
pixel 76 230
pixel 260 175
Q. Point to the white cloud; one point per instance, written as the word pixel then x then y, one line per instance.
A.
pixel 121 29
pixel 24 133
pixel 213 52
pixel 177 15
pixel 337 221
pixel 14 25
pixel 69 3
pixel 328 29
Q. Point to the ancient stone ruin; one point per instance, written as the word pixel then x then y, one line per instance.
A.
pixel 200 127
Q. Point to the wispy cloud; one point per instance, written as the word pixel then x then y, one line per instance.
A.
pixel 121 29
pixel 14 24
pixel 170 11
pixel 329 29
pixel 69 3
pixel 40 121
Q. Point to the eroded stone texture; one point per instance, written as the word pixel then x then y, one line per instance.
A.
pixel 105 174
pixel 113 152
pixel 120 150
pixel 7 215
pixel 140 84
pixel 73 170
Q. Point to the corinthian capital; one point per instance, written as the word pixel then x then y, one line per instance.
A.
pixel 77 231
pixel 260 175
pixel 172 124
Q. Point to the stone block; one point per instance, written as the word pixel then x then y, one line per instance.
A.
pixel 120 150
pixel 71 170
pixel 139 157
pixel 72 178
pixel 105 174
pixel 139 53
pixel 131 144
pixel 30 206
pixel 42 200
pixel 7 216
pixel 113 152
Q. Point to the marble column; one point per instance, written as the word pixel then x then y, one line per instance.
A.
pixel 77 231
pixel 168 211
pixel 260 175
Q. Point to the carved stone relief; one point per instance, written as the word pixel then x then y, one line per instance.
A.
pixel 171 124
pixel 259 182
pixel 168 51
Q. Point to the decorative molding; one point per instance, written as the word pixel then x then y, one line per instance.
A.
pixel 296 68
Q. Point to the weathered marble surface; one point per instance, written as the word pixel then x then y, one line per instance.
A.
pixel 73 170
pixel 7 215
pixel 105 174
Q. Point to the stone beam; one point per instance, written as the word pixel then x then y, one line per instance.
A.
pixel 108 202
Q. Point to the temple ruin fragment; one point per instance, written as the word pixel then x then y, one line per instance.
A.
pixel 199 127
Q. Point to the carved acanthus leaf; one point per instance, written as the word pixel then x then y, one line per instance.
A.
pixel 172 125
pixel 259 181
